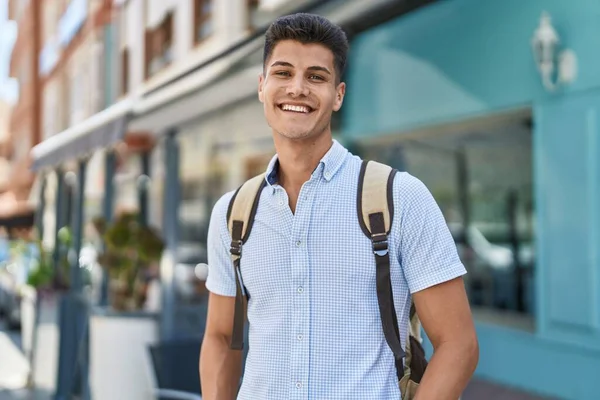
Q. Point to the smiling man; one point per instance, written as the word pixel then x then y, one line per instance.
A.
pixel 309 271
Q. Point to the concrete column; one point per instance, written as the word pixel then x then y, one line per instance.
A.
pixel 170 234
pixel 231 19
pixel 107 212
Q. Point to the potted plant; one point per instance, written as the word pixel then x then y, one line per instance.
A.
pixel 130 256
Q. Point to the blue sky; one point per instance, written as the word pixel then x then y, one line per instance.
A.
pixel 8 33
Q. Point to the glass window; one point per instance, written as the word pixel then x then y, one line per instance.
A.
pixel 483 182
pixel 203 19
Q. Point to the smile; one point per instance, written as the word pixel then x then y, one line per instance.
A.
pixel 296 108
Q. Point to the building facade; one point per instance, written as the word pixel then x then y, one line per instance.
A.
pixel 452 94
pixel 73 77
pixel 16 211
pixel 5 109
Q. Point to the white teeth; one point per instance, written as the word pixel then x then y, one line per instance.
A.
pixel 301 109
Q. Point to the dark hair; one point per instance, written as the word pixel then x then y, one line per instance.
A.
pixel 306 29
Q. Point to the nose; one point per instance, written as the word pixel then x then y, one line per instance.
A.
pixel 297 87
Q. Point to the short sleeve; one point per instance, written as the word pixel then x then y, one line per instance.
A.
pixel 221 276
pixel 427 251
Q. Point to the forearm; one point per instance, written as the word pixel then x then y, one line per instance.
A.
pixel 220 369
pixel 449 371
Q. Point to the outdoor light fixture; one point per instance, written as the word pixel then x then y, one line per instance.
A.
pixel 71 179
pixel 144 182
pixel 548 56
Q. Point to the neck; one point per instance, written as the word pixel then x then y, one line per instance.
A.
pixel 299 158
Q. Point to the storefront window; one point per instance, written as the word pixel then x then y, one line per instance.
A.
pixel 201 182
pixel 483 183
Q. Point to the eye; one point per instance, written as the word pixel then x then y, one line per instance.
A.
pixel 316 77
pixel 282 73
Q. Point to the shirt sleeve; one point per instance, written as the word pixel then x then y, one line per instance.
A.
pixel 221 276
pixel 427 251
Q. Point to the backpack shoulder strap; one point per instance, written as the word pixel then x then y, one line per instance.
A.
pixel 240 218
pixel 375 213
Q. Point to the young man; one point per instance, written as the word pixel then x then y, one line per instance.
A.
pixel 308 269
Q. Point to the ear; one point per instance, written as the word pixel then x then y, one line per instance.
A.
pixel 339 96
pixel 261 81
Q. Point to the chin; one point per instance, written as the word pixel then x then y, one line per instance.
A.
pixel 296 134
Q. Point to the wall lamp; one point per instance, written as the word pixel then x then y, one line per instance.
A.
pixel 549 57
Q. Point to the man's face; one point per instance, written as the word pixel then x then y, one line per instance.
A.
pixel 299 90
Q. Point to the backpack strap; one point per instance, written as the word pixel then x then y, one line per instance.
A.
pixel 240 218
pixel 375 213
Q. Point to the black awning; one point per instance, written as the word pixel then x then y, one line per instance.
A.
pixel 18 221
pixel 103 136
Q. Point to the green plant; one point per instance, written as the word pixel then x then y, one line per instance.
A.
pixel 131 249
pixel 42 272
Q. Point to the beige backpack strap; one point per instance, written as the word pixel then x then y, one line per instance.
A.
pixel 240 218
pixel 375 195
pixel 375 213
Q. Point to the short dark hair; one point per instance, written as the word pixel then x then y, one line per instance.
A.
pixel 308 29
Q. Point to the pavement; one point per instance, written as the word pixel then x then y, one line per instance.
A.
pixel 481 390
pixel 13 364
pixel 14 369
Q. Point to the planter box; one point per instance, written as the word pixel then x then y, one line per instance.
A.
pixel 45 337
pixel 28 319
pixel 120 365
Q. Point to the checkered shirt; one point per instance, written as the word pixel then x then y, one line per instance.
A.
pixel 314 325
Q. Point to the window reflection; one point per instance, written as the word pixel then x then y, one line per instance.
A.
pixel 483 184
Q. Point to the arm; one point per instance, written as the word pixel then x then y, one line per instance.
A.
pixel 220 367
pixel 446 318
pixel 433 272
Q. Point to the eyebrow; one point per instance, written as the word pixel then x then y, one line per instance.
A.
pixel 312 68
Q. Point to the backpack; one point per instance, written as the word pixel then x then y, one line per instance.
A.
pixel 375 216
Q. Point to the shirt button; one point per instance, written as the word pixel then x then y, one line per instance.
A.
pixel 300 289
pixel 300 337
pixel 298 385
pixel 298 243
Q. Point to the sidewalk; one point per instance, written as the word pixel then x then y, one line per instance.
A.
pixel 13 365
pixel 24 394
pixel 483 390
pixel 14 369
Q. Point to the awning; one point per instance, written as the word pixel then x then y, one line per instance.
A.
pixel 16 213
pixel 103 129
pixel 183 107
pixel 232 75
pixel 18 201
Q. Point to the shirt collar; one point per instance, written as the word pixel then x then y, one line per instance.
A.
pixel 331 162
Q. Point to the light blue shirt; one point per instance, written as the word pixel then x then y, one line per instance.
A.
pixel 314 325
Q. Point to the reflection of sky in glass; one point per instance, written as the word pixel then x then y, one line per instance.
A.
pixel 205 29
